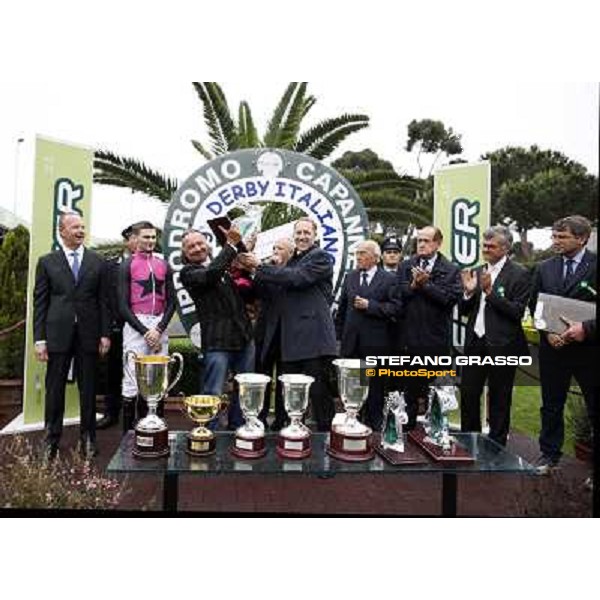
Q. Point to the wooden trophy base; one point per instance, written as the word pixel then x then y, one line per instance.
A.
pixel 201 447
pixel 411 455
pixel 249 449
pixel 153 444
pixel 456 454
pixel 348 447
pixel 293 448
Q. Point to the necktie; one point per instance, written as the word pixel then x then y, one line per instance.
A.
pixel 365 279
pixel 570 273
pixel 75 266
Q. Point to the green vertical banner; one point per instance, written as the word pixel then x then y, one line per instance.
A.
pixel 462 210
pixel 63 183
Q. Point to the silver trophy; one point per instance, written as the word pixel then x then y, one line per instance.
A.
pixel 442 400
pixel 394 418
pixel 294 440
pixel 351 440
pixel 250 438
pixel 152 377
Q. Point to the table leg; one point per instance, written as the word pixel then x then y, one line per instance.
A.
pixel 171 492
pixel 449 494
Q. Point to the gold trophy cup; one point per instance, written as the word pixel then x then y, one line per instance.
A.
pixel 201 441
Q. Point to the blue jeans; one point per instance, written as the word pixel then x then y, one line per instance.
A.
pixel 217 364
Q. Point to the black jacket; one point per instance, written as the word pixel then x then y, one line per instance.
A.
pixel 302 310
pixel 427 322
pixel 504 310
pixel 370 330
pixel 548 278
pixel 223 319
pixel 59 303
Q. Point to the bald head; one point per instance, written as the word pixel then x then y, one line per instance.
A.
pixel 72 230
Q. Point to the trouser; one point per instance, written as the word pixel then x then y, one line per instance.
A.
pixel 500 386
pixel 217 364
pixel 112 400
pixel 557 367
pixel 135 342
pixel 321 396
pixel 56 381
pixel 271 366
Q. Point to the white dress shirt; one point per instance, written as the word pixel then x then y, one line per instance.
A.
pixel 494 271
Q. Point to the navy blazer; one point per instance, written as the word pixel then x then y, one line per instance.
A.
pixel 427 320
pixel 504 309
pixel 370 329
pixel 59 302
pixel 548 279
pixel 303 307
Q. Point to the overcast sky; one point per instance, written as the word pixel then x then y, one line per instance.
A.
pixel 155 123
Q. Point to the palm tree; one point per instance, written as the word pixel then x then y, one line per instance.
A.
pixel 227 135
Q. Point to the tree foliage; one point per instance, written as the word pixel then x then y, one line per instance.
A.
pixel 431 137
pixel 394 200
pixel 228 134
pixel 14 260
pixel 532 188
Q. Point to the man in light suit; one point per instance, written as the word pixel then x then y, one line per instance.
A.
pixel 495 299
pixel 368 308
pixel 300 326
pixel 570 274
pixel 430 286
pixel 71 321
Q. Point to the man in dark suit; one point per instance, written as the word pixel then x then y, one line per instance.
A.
pixel 71 321
pixel 283 250
pixel 112 400
pixel 571 274
pixel 430 287
pixel 495 299
pixel 301 327
pixel 227 342
pixel 368 308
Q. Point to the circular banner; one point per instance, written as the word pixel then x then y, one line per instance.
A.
pixel 243 179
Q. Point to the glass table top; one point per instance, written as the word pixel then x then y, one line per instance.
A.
pixel 489 458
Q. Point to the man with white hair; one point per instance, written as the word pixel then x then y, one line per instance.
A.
pixel 369 304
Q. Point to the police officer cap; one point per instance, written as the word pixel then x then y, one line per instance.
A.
pixel 391 243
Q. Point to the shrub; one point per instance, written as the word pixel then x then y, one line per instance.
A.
pixel 14 260
pixel 189 383
pixel 28 482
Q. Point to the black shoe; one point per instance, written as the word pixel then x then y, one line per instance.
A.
pixel 107 421
pixel 50 453
pixel 87 449
pixel 546 465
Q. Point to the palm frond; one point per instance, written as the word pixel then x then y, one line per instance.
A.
pixel 219 103
pixel 118 171
pixel 248 135
pixel 219 143
pixel 330 143
pixel 205 153
pixel 316 134
pixel 274 127
pixel 308 104
pixel 288 136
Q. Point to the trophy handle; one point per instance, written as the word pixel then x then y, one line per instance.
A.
pixel 129 354
pixel 175 381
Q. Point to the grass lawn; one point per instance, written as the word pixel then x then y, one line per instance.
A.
pixel 525 417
